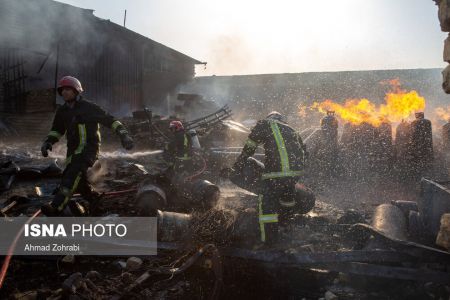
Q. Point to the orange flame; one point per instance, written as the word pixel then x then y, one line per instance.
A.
pixel 398 105
pixel 302 110
pixel 394 84
pixel 443 113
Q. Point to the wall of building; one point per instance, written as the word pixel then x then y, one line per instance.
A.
pixel 119 69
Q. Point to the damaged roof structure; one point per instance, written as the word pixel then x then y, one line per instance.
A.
pixel 120 69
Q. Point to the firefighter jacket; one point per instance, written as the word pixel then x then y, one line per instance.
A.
pixel 81 124
pixel 283 146
pixel 179 148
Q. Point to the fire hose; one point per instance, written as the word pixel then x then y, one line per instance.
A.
pixel 11 248
pixel 114 193
pixel 200 172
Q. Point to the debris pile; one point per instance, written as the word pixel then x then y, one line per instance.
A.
pixel 328 248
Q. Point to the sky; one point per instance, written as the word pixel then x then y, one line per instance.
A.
pixel 237 37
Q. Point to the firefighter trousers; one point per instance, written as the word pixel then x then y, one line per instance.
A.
pixel 274 204
pixel 74 179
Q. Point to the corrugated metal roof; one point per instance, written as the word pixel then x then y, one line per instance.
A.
pixel 125 30
pixel 148 40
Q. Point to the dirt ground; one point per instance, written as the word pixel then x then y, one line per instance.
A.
pixel 47 277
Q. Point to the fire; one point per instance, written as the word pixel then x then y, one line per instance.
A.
pixel 443 113
pixel 399 105
pixel 355 111
pixel 394 84
pixel 302 110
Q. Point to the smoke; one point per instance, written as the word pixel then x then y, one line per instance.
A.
pixel 443 113
pixel 39 27
pixel 43 34
pixel 97 171
pixel 123 110
pixel 230 54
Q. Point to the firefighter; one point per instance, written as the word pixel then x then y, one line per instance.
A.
pixel 284 162
pixel 79 120
pixel 329 124
pixel 178 152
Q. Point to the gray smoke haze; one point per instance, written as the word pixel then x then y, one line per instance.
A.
pixel 231 53
pixel 38 27
pixel 253 96
pixel 40 33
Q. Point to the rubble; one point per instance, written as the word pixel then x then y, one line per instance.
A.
pixel 29 295
pixel 93 276
pixel 351 216
pixel 176 193
pixel 133 263
pixel 330 296
pixel 368 218
pixel 72 283
pixel 443 237
pixel 330 237
pixel 119 264
pixel 390 220
pixel 68 259
pixel 152 130
pixel 127 278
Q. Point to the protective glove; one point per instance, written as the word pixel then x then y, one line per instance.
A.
pixel 127 141
pixel 45 147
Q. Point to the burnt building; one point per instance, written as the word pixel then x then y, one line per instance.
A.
pixel 41 41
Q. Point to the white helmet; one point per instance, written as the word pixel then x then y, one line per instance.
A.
pixel 274 115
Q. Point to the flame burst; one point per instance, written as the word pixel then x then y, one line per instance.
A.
pixel 398 105
pixel 302 110
pixel 443 113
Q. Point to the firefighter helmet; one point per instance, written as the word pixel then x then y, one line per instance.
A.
pixel 274 115
pixel 329 121
pixel 176 125
pixel 69 81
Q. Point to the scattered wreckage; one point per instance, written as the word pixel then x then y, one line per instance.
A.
pixel 151 130
pixel 207 238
